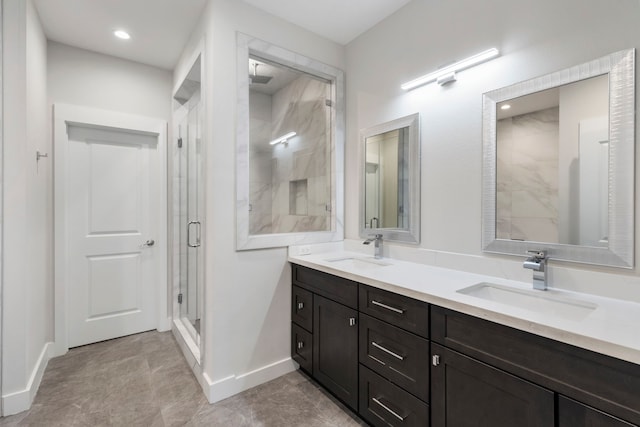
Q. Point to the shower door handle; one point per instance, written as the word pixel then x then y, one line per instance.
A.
pixel 197 243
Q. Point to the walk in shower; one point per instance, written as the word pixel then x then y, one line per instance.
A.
pixel 188 208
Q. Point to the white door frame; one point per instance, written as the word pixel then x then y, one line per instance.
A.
pixel 64 114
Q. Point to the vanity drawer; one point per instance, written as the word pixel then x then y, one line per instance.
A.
pixel 302 347
pixel 398 355
pixel 385 404
pixel 404 312
pixel 302 307
pixel 333 287
pixel 602 382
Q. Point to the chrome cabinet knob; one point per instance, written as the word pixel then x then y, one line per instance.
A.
pixel 149 242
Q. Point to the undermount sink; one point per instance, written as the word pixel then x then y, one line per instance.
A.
pixel 543 302
pixel 359 262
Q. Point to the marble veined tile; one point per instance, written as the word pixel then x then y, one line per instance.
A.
pixel 128 393
pixel 535 229
pixel 534 204
pixel 503 228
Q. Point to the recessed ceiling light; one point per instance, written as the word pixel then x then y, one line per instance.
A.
pixel 505 107
pixel 121 34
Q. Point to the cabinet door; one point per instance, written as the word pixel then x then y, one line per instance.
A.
pixel 468 393
pixel 335 349
pixel 302 347
pixel 301 307
pixel 575 414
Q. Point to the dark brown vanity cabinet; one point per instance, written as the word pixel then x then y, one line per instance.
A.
pixel 510 377
pixel 398 361
pixel 324 330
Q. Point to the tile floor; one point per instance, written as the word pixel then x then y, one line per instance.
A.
pixel 143 380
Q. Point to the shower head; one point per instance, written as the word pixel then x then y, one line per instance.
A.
pixel 255 78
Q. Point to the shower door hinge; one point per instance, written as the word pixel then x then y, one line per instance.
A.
pixel 179 298
pixel 179 142
pixel 328 102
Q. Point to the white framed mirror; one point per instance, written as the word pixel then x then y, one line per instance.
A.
pixel 289 148
pixel 390 180
pixel 558 164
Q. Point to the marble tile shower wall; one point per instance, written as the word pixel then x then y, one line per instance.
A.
pixel 260 162
pixel 527 176
pixel 290 183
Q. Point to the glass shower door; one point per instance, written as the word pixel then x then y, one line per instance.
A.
pixel 191 214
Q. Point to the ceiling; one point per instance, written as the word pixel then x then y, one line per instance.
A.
pixel 160 28
pixel 337 20
pixel 158 33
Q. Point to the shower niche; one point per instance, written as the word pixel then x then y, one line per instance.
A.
pixel 290 133
pixel 188 208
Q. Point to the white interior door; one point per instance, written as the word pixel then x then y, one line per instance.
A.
pixel 111 206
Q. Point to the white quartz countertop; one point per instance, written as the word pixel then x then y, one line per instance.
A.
pixel 608 326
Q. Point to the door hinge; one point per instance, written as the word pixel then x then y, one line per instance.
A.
pixel 179 142
pixel 435 360
pixel 179 298
pixel 328 102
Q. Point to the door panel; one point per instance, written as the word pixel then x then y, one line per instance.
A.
pixel 469 393
pixel 335 348
pixel 112 284
pixel 110 215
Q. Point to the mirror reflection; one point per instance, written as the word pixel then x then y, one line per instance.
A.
pixel 553 165
pixel 390 180
pixel 387 179
pixel 289 149
pixel 559 161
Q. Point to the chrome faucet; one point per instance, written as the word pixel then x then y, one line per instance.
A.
pixel 377 239
pixel 538 263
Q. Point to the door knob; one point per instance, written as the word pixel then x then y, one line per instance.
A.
pixel 149 242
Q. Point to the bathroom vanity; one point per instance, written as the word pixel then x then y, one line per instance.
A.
pixel 442 353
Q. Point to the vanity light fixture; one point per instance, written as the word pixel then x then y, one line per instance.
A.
pixel 283 138
pixel 448 74
pixel 121 34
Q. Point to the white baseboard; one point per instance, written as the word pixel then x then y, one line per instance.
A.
pixel 164 324
pixel 234 384
pixel 19 401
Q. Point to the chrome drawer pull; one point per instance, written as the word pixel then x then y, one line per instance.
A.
pixel 300 305
pixel 389 410
pixel 388 307
pixel 300 345
pixel 386 350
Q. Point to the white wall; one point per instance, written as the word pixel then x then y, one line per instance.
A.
pixel 246 327
pixel 534 38
pixel 27 324
pixel 81 77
